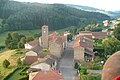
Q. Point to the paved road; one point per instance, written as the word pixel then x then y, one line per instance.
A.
pixel 67 65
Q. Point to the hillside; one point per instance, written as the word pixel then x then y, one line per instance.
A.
pixel 112 14
pixel 26 16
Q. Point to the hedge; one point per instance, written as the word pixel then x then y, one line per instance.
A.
pixel 6 77
pixel 24 77
pixel 24 68
pixel 90 77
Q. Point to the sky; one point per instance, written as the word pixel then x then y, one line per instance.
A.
pixel 108 5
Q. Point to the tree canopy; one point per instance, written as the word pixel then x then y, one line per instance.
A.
pixel 116 32
pixel 111 45
pixel 24 16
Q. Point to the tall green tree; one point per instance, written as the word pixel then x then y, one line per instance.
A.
pixel 111 45
pixel 15 41
pixel 116 32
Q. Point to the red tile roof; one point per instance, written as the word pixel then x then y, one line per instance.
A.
pixel 78 42
pixel 53 36
pixel 63 38
pixel 48 75
pixel 99 33
pixel 34 42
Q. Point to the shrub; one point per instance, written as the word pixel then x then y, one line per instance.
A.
pixel 90 77
pixel 24 78
pixel 83 71
pixel 23 73
pixel 76 65
pixel 95 67
pixel 6 63
pixel 2 47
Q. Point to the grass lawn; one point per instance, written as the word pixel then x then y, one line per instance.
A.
pixel 12 57
pixel 26 33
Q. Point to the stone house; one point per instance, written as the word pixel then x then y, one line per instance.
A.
pixel 31 57
pixel 56 47
pixel 48 64
pixel 46 75
pixel 83 48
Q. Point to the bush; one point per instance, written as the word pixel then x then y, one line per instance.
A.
pixel 83 71
pixel 2 47
pixel 24 78
pixel 90 77
pixel 6 63
pixel 76 65
pixel 95 67
pixel 19 52
pixel 23 73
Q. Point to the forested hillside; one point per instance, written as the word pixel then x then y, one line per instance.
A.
pixel 23 16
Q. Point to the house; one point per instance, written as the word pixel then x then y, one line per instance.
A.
pixel 95 35
pixel 106 23
pixel 48 64
pixel 83 48
pixel 46 75
pixel 31 57
pixel 99 35
pixel 56 47
pixel 31 44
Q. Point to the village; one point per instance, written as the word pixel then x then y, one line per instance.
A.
pixel 45 54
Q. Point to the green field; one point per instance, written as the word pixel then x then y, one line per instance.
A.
pixel 26 33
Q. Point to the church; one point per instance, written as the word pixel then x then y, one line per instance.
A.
pixel 53 42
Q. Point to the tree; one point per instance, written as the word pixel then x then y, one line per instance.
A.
pixel 111 45
pixel 116 32
pixel 69 37
pixel 15 36
pixel 20 45
pixel 23 40
pixel 30 39
pixel 15 41
pixel 8 41
pixel 6 63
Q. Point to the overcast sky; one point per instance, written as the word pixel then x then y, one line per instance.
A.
pixel 109 5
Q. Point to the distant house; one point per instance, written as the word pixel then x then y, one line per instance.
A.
pixel 31 57
pixel 46 75
pixel 31 44
pixel 48 64
pixel 83 48
pixel 95 35
pixel 106 23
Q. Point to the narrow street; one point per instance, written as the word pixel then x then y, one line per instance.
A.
pixel 67 64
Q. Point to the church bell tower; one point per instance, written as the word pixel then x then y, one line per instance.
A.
pixel 45 36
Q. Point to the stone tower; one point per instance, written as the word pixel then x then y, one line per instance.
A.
pixel 45 36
